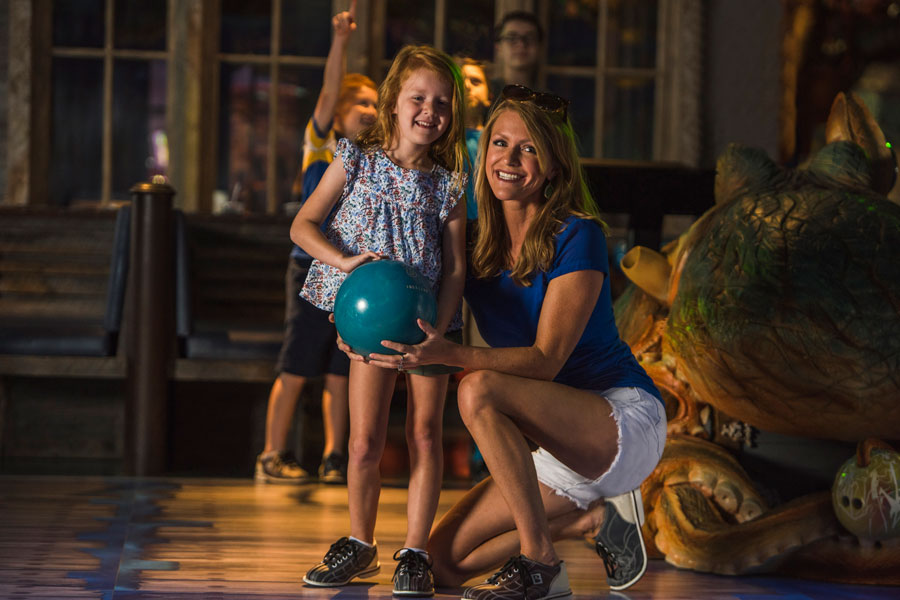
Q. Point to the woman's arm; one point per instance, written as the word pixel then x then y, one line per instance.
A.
pixel 306 229
pixel 453 266
pixel 567 307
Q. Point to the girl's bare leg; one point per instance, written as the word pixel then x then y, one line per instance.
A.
pixel 370 397
pixel 424 420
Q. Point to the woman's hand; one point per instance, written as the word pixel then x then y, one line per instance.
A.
pixel 433 349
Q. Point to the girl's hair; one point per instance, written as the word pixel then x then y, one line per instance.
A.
pixel 449 150
pixel 566 194
pixel 350 85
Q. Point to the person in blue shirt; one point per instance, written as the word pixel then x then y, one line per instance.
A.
pixel 557 375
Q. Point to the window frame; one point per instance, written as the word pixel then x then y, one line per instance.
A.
pixel 193 60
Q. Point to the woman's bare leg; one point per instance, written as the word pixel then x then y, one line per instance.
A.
pixel 424 420
pixel 478 533
pixel 371 389
pixel 503 412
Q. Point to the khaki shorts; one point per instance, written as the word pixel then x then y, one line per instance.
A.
pixel 641 420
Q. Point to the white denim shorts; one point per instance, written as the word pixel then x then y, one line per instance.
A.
pixel 641 420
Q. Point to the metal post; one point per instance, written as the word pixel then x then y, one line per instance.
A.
pixel 152 327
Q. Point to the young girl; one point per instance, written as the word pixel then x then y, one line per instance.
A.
pixel 400 191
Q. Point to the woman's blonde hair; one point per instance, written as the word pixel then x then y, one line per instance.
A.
pixel 566 194
pixel 449 150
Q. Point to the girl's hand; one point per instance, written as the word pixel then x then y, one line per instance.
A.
pixel 344 23
pixel 432 350
pixel 351 262
pixel 343 347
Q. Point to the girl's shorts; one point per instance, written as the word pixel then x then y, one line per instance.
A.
pixel 641 420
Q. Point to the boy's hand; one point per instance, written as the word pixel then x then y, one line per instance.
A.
pixel 344 22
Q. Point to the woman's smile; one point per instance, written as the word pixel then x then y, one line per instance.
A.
pixel 512 160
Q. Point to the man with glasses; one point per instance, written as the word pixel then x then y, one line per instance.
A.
pixel 518 42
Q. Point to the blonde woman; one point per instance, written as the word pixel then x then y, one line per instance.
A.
pixel 557 375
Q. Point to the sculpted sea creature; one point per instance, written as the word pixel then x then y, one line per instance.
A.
pixel 779 310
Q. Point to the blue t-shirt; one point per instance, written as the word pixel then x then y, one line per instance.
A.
pixel 507 314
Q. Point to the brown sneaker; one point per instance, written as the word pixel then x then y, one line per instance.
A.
pixel 523 579
pixel 333 469
pixel 345 560
pixel 280 467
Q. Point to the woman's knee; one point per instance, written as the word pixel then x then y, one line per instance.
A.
pixel 444 567
pixel 475 393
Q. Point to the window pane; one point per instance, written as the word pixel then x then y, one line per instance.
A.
pixel 140 144
pixel 77 130
pixel 78 23
pixel 631 34
pixel 299 90
pixel 469 27
pixel 580 90
pixel 140 25
pixel 246 26
pixel 408 22
pixel 306 27
pixel 243 131
pixel 628 119
pixel 572 33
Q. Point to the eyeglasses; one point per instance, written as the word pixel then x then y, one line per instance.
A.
pixel 545 101
pixel 529 39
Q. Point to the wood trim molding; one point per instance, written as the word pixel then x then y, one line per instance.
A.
pixel 28 102
pixel 682 84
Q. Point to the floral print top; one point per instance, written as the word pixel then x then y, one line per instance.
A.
pixel 395 212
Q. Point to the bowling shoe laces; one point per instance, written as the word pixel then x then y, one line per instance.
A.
pixel 344 561
pixel 619 541
pixel 412 576
pixel 523 579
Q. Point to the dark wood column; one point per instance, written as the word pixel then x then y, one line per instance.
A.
pixel 151 328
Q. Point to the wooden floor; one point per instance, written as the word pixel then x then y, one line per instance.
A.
pixel 115 538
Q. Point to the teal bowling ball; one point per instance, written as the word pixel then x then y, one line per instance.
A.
pixel 381 300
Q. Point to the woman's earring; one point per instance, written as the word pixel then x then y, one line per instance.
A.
pixel 548 189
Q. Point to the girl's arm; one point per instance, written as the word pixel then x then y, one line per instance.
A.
pixel 567 306
pixel 453 266
pixel 306 229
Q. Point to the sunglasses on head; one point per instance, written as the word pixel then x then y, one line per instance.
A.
pixel 547 102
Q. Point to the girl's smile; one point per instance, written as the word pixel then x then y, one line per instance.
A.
pixel 423 107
